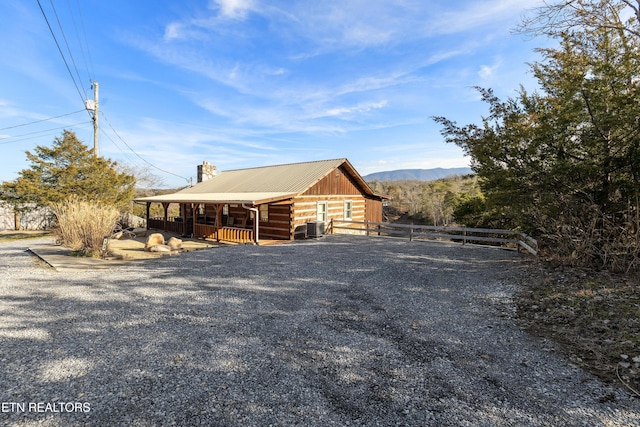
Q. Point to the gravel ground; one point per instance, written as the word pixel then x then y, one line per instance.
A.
pixel 343 330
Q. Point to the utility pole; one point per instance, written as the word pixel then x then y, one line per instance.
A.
pixel 95 119
pixel 92 105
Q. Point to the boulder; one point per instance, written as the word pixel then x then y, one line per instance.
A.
pixel 153 240
pixel 159 248
pixel 174 243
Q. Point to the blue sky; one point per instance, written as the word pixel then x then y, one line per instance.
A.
pixel 244 83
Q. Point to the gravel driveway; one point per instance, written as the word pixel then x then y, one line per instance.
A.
pixel 343 330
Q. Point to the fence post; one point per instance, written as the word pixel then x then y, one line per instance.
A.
pixel 366 227
pixel 464 237
pixel 411 233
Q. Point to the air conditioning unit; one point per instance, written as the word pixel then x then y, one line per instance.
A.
pixel 315 228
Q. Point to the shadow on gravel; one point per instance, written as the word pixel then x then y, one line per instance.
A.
pixel 339 330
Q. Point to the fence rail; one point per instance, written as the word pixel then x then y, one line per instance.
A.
pixel 466 235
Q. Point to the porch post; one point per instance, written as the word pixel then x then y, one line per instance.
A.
pixel 195 216
pixel 256 224
pixel 256 218
pixel 148 213
pixel 183 215
pixel 218 208
pixel 165 206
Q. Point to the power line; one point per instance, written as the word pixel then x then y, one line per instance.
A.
pixel 88 66
pixel 64 36
pixel 43 120
pixel 60 50
pixel 2 140
pixel 127 154
pixel 138 155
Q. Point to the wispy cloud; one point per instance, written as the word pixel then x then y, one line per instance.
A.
pixel 299 28
pixel 353 109
pixel 235 9
pixel 173 31
pixel 288 90
pixel 488 72
pixel 476 14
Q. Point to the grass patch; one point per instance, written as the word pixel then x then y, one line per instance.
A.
pixel 11 235
pixel 593 316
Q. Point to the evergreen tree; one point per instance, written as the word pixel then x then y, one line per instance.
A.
pixel 565 163
pixel 68 169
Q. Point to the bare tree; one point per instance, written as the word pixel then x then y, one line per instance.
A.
pixel 145 179
pixel 556 18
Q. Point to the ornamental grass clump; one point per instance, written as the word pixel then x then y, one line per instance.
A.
pixel 83 225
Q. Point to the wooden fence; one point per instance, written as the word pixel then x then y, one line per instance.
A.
pixel 465 235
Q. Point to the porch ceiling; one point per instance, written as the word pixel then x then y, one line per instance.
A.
pixel 257 198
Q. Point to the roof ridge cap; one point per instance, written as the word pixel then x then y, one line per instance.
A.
pixel 342 159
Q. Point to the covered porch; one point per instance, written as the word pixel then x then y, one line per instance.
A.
pixel 215 217
pixel 194 222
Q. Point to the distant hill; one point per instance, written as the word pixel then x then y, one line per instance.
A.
pixel 416 174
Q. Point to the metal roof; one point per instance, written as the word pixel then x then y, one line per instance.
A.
pixel 237 198
pixel 261 184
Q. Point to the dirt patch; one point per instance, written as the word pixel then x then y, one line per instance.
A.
pixel 133 248
pixel 593 316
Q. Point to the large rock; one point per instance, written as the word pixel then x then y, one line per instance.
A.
pixel 174 243
pixel 159 248
pixel 153 240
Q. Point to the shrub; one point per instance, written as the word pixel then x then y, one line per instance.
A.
pixel 82 225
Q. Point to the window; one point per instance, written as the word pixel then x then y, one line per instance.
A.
pixel 322 211
pixel 264 213
pixel 348 209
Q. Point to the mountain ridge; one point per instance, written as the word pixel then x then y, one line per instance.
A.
pixel 417 174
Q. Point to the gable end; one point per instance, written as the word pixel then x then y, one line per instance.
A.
pixel 338 181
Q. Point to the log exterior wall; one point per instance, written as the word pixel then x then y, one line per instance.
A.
pixel 373 210
pixel 305 209
pixel 277 226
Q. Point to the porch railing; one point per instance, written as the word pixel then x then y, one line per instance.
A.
pixel 224 234
pixel 235 235
pixel 168 225
pixel 206 231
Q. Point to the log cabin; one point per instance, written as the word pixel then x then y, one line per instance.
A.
pixel 280 202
